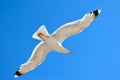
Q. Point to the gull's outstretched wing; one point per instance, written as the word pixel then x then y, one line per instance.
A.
pixel 75 27
pixel 36 58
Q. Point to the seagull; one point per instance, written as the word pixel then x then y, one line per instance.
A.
pixel 54 41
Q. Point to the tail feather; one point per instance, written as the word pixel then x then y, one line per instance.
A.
pixel 42 30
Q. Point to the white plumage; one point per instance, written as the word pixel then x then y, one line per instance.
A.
pixel 54 41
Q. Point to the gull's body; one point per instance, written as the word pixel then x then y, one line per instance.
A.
pixel 54 41
pixel 56 45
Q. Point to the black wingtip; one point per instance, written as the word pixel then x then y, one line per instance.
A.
pixel 17 74
pixel 97 12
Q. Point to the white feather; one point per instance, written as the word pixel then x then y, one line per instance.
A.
pixel 73 28
pixel 37 57
pixel 43 30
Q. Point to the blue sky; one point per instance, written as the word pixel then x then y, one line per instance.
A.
pixel 96 50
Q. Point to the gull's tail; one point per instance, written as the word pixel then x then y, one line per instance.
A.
pixel 42 30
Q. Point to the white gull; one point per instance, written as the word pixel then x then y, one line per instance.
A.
pixel 54 41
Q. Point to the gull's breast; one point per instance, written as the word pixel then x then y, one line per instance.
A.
pixel 54 44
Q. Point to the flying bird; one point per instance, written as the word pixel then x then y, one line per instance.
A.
pixel 54 41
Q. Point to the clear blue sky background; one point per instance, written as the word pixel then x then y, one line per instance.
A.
pixel 96 50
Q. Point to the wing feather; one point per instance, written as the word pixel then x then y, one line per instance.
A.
pixel 75 27
pixel 37 57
